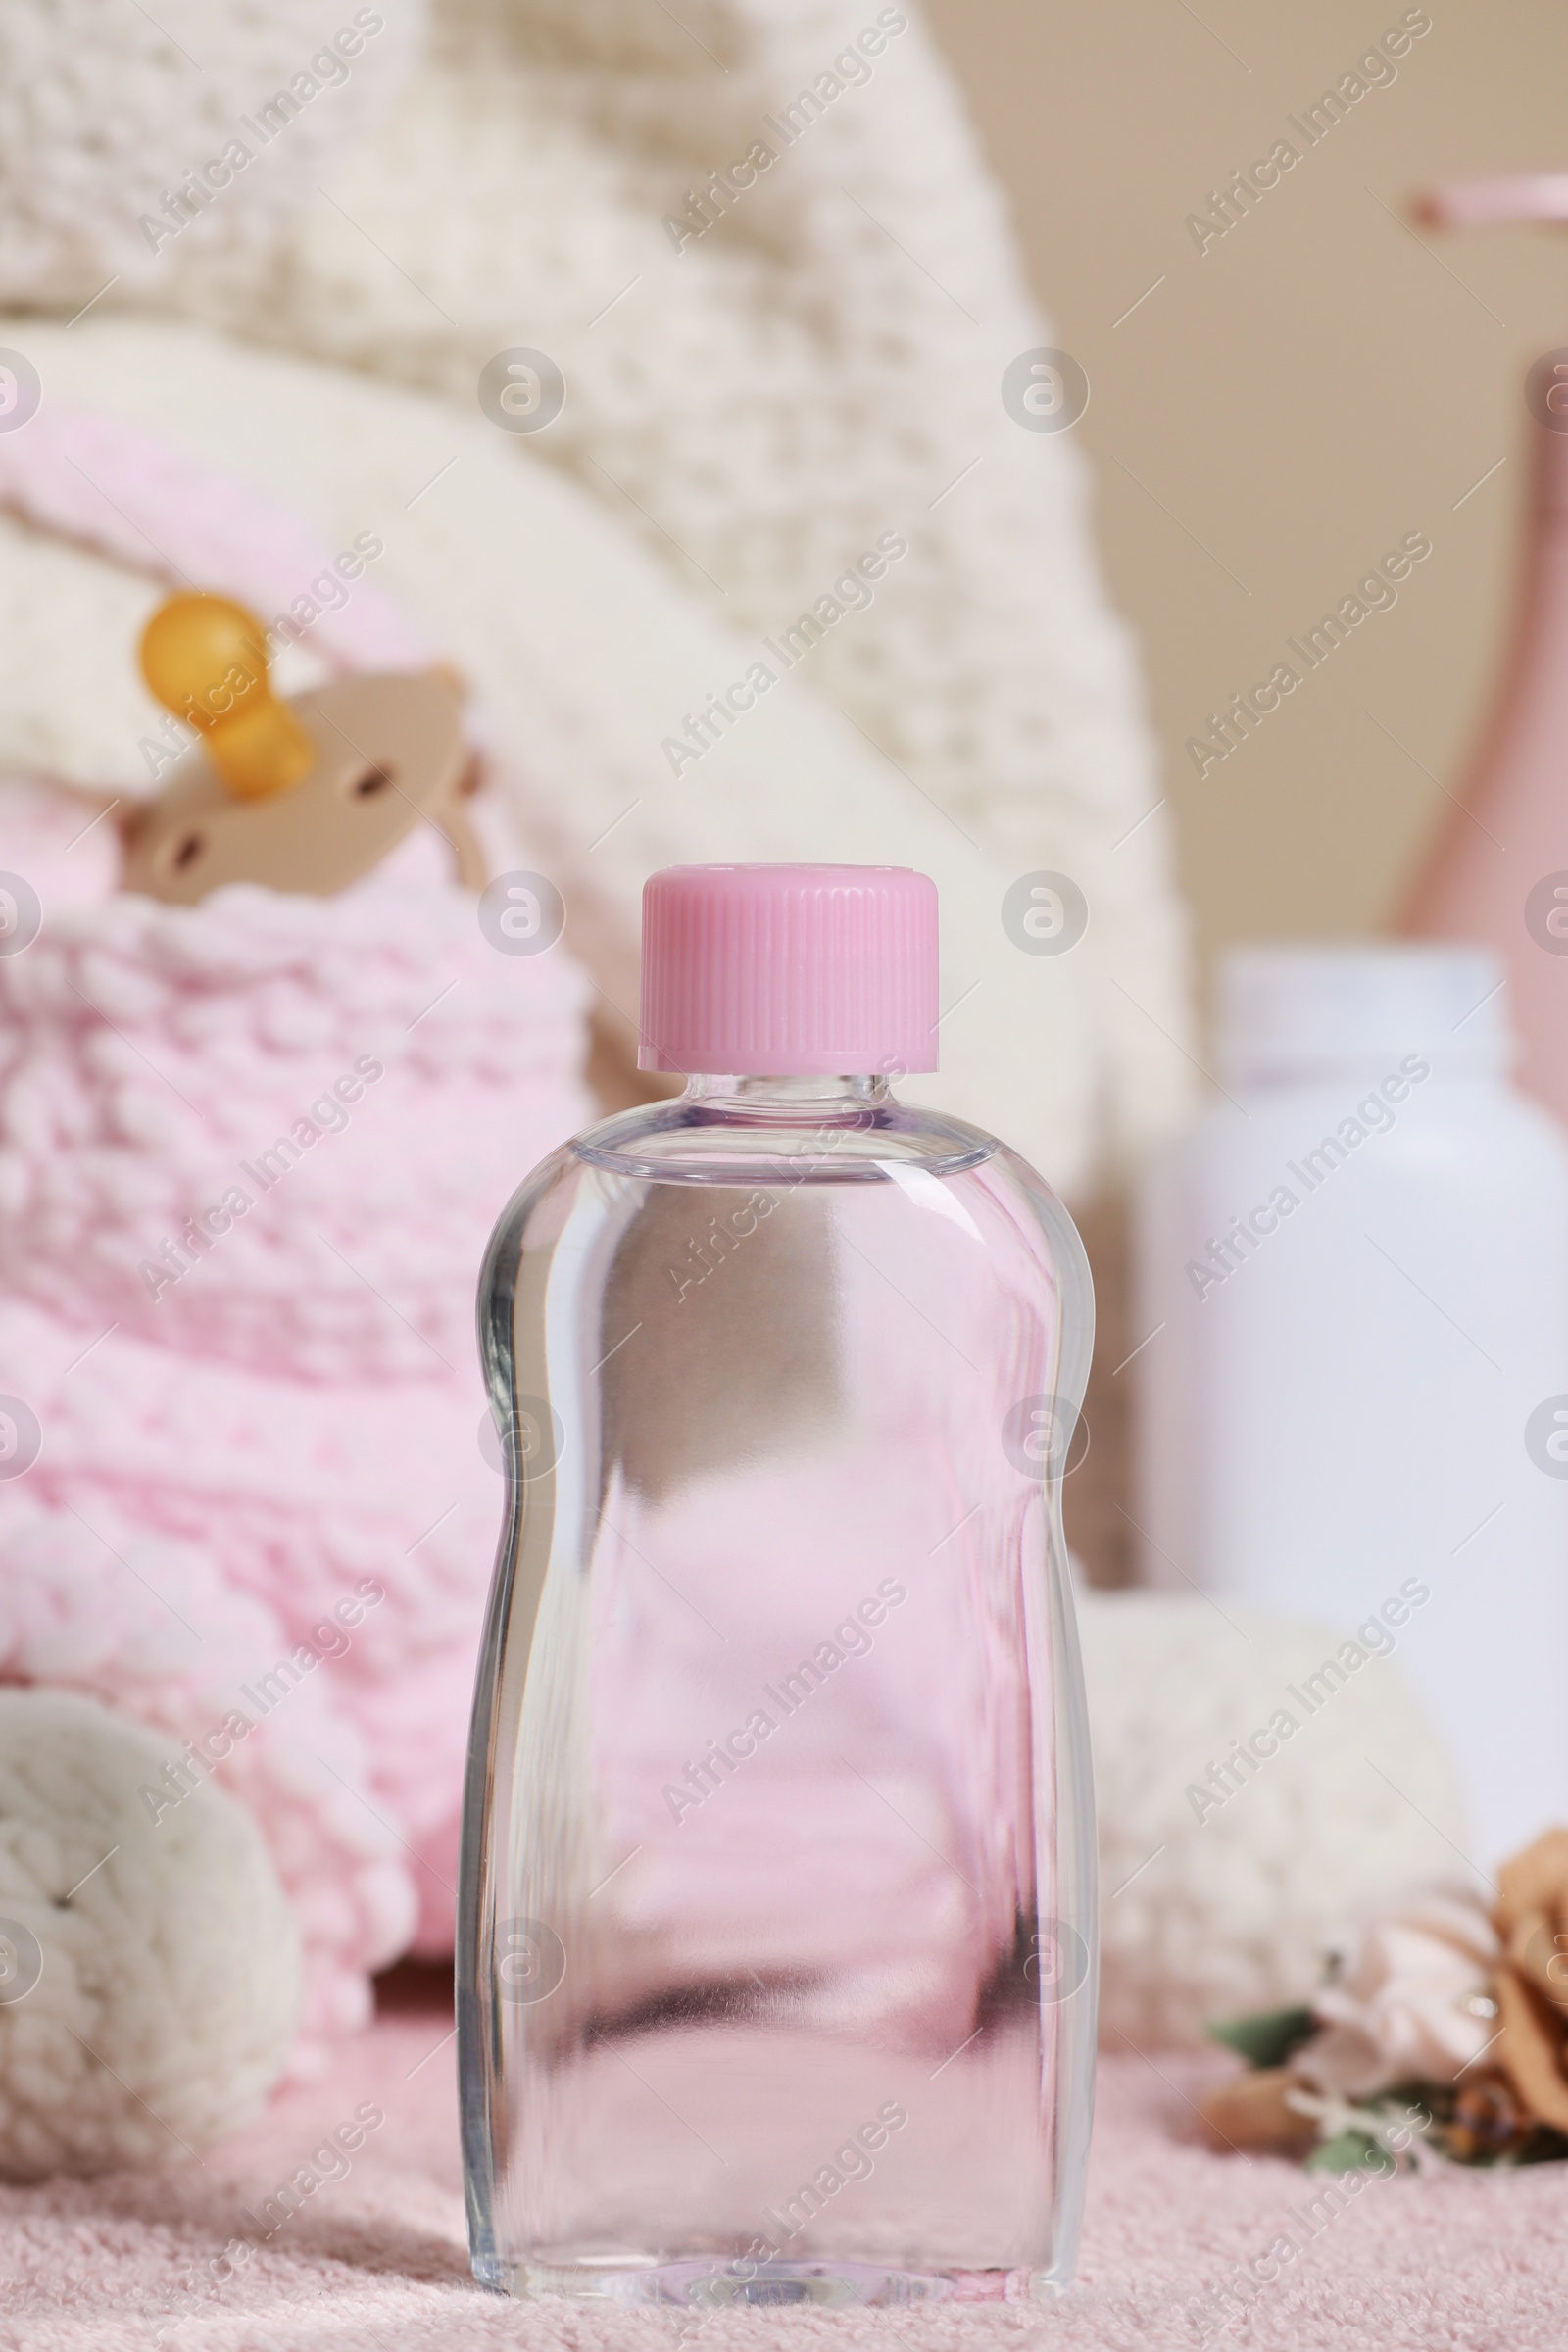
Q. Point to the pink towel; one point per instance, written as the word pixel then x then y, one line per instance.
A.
pixel 319 2231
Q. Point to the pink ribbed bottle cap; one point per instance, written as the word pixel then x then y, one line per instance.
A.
pixel 788 972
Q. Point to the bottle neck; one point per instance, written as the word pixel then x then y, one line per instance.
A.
pixel 812 1097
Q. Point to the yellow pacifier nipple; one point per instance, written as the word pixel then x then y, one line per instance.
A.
pixel 205 660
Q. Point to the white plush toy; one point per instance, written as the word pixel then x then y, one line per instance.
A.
pixel 170 1946
pixel 1222 1875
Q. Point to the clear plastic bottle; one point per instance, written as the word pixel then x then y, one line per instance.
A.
pixel 776 1936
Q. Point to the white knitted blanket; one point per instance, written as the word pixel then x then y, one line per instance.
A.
pixel 770 366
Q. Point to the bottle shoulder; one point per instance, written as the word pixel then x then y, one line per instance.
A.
pixel 918 1158
pixel 683 1142
pixel 939 1211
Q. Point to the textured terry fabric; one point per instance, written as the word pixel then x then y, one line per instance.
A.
pixel 376 2257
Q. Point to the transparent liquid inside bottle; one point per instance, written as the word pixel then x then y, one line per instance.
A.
pixel 776 1936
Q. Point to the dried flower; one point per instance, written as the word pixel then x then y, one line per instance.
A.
pixel 1416 1997
pixel 1488 2120
pixel 1532 1982
pixel 1411 2000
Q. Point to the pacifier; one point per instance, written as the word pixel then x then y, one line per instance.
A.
pixel 306 795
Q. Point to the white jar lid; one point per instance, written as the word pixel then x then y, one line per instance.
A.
pixel 1300 1010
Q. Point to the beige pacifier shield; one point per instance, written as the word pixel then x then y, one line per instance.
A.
pixel 389 755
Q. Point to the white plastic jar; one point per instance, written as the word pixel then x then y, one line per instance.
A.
pixel 1352 1286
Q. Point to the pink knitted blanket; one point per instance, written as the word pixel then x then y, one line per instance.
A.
pixel 250 1154
pixel 367 2252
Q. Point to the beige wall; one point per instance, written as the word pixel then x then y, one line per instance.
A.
pixel 1291 402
